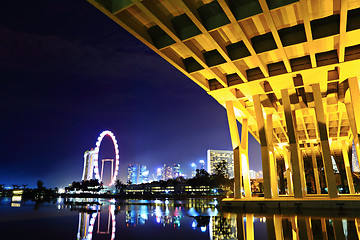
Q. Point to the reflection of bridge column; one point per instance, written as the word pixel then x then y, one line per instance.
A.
pixel 249 226
pixel 303 234
pixel 345 149
pixel 323 228
pixel 240 227
pixel 270 227
pixel 309 228
pixel 295 229
pixel 264 146
pixel 299 189
pixel 324 142
pixel 338 229
pixel 278 227
pixel 357 227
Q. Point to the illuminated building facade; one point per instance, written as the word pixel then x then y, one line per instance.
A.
pixel 166 172
pixel 132 174
pixel 137 174
pixel 215 157
pixel 193 169
pixel 176 172
pixel 202 164
pixel 287 71
pixel 143 174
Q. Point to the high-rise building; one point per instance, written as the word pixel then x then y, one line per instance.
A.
pixel 132 174
pixel 215 157
pixel 201 164
pixel 159 174
pixel 166 172
pixel 193 170
pixel 176 171
pixel 143 174
pixel 137 174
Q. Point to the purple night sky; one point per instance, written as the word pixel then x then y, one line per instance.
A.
pixel 68 72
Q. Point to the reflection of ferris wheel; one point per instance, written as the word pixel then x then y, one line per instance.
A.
pixel 91 163
pixel 87 223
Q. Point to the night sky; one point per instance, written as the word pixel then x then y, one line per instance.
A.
pixel 68 72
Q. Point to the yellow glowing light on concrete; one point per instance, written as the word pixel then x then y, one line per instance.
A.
pixel 244 162
pixel 282 145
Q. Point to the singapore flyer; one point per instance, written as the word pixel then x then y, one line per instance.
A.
pixel 91 161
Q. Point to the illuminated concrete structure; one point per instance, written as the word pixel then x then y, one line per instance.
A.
pixel 286 70
pixel 214 157
pixel 91 165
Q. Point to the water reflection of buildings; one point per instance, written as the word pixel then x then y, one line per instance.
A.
pixel 202 215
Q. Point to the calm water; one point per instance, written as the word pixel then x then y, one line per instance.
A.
pixel 159 219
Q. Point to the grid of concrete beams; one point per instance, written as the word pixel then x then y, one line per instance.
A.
pixel 293 64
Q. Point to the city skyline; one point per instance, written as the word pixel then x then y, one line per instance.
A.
pixel 65 81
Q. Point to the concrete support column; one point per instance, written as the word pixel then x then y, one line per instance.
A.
pixel 245 157
pixel 315 168
pixel 235 140
pixel 299 189
pixel 325 147
pixel 288 171
pixel 345 148
pixel 264 146
pixel 354 116
pixel 272 157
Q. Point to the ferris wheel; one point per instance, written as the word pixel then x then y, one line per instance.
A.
pixel 91 162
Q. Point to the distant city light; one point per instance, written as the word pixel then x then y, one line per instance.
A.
pixel 61 190
pixel 193 225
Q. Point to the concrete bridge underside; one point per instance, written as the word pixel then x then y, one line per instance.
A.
pixel 287 70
